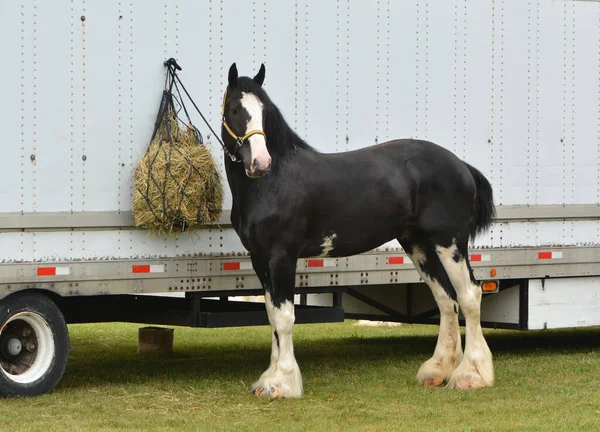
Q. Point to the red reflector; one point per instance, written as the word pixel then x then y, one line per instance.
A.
pixel 395 260
pixel 544 255
pixel 46 271
pixel 231 266
pixel 315 263
pixel 476 257
pixel 140 268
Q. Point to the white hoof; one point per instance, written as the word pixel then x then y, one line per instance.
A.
pixel 473 373
pixel 278 385
pixel 436 371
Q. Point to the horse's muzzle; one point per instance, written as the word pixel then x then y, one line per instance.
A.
pixel 256 169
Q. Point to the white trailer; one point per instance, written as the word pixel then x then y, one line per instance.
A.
pixel 511 86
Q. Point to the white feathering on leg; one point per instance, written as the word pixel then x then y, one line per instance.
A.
pixel 284 380
pixel 476 370
pixel 448 350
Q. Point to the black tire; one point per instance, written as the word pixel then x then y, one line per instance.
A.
pixel 34 345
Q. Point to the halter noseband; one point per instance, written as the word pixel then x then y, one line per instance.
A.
pixel 238 139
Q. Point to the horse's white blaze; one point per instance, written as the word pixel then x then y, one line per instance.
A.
pixel 476 369
pixel 327 245
pixel 258 144
pixel 282 378
pixel 448 350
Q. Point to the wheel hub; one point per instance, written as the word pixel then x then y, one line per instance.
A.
pixel 11 347
pixel 18 347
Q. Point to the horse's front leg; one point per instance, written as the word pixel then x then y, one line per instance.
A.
pixel 282 378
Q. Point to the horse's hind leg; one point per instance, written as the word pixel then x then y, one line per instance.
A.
pixel 448 350
pixel 476 369
pixel 282 378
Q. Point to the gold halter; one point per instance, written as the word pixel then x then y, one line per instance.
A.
pixel 238 139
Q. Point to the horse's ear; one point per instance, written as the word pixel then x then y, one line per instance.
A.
pixel 233 76
pixel 260 76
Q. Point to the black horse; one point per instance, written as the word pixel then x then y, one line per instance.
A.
pixel 291 201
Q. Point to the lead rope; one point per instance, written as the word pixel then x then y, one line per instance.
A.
pixel 173 67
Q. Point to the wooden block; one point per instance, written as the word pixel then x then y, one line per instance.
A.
pixel 155 340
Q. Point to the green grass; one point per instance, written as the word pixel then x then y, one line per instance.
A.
pixel 355 378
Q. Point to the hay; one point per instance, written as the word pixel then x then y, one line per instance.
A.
pixel 177 185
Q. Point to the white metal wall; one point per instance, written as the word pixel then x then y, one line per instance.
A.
pixel 512 86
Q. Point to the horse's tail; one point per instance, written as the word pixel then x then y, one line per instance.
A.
pixel 483 209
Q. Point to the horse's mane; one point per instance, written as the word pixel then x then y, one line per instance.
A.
pixel 280 136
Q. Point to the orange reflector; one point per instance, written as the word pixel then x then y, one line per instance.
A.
pixel 493 272
pixel 489 286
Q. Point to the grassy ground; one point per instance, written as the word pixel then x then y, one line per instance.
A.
pixel 355 378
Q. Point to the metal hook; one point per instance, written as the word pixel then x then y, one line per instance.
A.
pixel 172 62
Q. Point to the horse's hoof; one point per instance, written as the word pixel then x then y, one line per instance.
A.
pixel 435 372
pixel 279 385
pixel 263 392
pixel 276 393
pixel 468 381
pixel 269 392
pixel 433 382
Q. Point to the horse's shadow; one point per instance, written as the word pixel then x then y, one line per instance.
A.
pixel 232 362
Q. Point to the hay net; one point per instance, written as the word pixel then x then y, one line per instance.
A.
pixel 177 185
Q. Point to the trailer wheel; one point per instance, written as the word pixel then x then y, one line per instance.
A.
pixel 34 345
